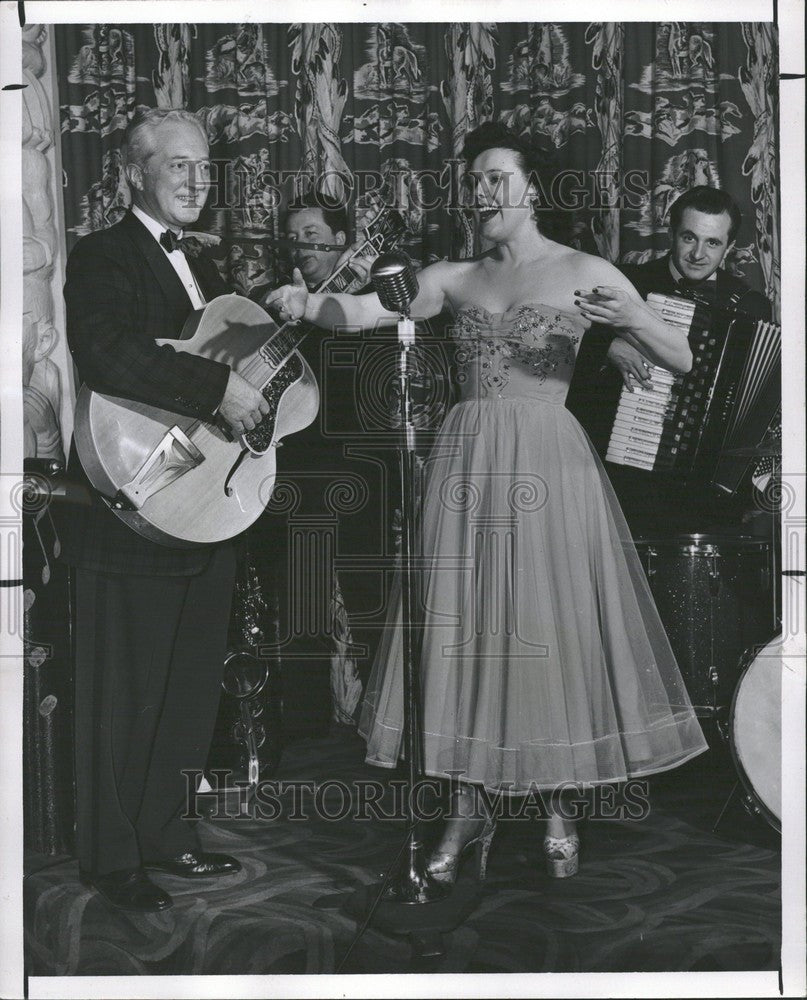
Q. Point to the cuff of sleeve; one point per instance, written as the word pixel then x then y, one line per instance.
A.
pixel 209 388
pixel 222 377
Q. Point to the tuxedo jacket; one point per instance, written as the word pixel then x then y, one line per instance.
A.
pixel 730 292
pixel 594 393
pixel 122 294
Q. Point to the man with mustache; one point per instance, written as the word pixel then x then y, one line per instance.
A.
pixel 150 620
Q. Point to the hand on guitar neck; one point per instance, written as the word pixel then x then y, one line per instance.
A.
pixel 359 265
pixel 242 406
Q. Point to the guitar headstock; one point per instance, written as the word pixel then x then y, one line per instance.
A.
pixel 382 234
pixel 389 225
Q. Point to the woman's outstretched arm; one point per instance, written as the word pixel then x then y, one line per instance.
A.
pixel 323 309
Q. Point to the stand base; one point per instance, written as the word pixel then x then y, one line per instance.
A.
pixel 425 924
pixel 411 883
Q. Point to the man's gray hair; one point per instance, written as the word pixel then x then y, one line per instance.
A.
pixel 137 147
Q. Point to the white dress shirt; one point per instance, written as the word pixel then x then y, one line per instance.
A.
pixel 178 260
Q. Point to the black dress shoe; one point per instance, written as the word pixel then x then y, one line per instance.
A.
pixel 196 864
pixel 129 889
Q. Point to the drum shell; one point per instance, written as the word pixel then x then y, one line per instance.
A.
pixel 755 731
pixel 713 595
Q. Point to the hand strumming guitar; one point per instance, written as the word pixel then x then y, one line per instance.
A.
pixel 243 406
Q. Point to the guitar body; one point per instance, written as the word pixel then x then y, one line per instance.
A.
pixel 181 481
pixel 185 482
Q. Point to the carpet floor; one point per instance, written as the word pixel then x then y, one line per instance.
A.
pixel 665 893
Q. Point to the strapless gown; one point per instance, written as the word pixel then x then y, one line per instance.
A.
pixel 543 658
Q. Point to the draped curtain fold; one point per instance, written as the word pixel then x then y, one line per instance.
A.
pixel 636 114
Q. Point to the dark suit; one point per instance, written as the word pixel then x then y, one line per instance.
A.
pixel 655 276
pixel 151 621
pixel 655 502
pixel 122 294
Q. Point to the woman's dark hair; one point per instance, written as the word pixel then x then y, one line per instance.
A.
pixel 536 159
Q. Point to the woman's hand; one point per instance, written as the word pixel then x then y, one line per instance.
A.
pixel 289 301
pixel 629 362
pixel 608 305
pixel 617 304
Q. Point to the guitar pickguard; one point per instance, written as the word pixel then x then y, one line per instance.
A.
pixel 260 440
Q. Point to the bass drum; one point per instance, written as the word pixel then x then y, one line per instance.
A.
pixel 755 733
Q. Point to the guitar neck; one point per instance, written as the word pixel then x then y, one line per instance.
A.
pixel 344 280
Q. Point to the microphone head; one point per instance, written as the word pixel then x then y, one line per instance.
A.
pixel 394 281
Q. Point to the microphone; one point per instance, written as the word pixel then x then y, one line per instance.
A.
pixel 394 281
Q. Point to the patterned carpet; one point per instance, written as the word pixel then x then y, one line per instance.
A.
pixel 663 894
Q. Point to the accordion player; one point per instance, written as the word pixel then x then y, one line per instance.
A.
pixel 662 444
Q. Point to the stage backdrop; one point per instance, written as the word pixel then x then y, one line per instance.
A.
pixel 639 113
pixel 643 111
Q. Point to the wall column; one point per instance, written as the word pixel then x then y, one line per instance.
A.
pixel 48 385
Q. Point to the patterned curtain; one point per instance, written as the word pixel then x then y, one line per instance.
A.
pixel 636 113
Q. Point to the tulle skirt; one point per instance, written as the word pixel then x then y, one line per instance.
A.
pixel 543 659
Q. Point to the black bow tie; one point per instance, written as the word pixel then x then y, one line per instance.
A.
pixel 684 282
pixel 701 291
pixel 189 245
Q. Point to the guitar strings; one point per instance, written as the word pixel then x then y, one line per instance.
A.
pixel 388 228
pixel 284 337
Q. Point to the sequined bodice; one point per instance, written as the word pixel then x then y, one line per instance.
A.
pixel 528 350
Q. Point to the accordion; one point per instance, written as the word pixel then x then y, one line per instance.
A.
pixel 686 424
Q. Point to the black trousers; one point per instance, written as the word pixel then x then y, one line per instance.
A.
pixel 149 662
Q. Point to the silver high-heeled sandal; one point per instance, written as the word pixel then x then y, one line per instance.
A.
pixel 562 855
pixel 444 866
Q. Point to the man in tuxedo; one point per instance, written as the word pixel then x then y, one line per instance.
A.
pixel 151 620
pixel 704 223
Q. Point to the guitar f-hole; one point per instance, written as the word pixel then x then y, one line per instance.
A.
pixel 228 490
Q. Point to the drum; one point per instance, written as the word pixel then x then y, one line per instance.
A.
pixel 713 594
pixel 755 732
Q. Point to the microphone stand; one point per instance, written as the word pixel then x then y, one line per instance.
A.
pixel 412 883
pixel 396 905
